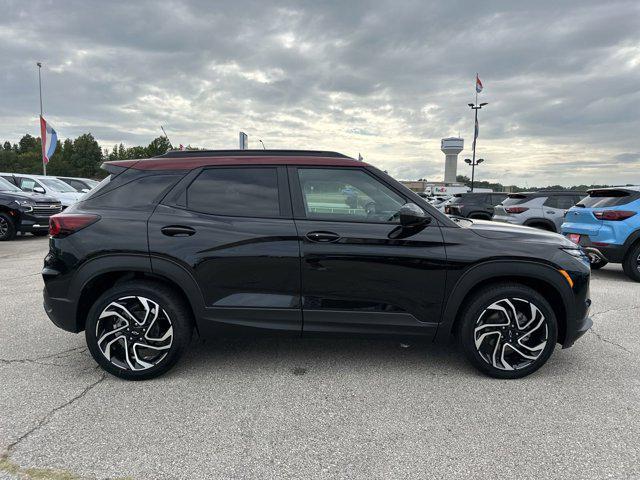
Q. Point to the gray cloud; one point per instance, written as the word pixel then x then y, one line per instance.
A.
pixel 387 79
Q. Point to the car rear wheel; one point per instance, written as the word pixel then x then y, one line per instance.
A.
pixel 631 263
pixel 138 330
pixel 7 227
pixel 508 331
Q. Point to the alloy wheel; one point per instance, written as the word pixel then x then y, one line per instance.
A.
pixel 134 333
pixel 511 334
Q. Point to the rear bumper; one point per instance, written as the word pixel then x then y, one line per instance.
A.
pixel 61 312
pixel 613 253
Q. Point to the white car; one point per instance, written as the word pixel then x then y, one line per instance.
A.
pixel 50 186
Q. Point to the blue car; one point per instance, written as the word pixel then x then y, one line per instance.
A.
pixel 607 225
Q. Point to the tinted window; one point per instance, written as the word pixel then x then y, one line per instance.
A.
pixel 140 194
pixel 78 185
pixel 347 195
pixel 496 199
pixel 565 202
pixel 246 192
pixel 608 198
pixel 514 200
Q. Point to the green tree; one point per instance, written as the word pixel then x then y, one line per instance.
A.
pixel 27 144
pixel 86 157
pixel 158 146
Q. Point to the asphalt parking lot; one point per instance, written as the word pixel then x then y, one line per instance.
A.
pixel 287 408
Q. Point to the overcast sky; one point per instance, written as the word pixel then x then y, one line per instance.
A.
pixel 386 79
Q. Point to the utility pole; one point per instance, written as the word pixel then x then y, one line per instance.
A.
pixel 475 107
pixel 44 165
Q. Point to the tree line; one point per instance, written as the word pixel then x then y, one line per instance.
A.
pixel 80 157
pixel 83 156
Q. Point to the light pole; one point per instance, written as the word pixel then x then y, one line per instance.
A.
pixel 475 107
pixel 44 165
pixel 473 164
pixel 263 147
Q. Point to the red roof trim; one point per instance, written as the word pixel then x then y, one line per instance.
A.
pixel 191 163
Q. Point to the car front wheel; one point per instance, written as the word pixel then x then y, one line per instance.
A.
pixel 508 330
pixel 138 330
pixel 7 227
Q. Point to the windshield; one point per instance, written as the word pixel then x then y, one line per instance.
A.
pixel 7 186
pixel 57 185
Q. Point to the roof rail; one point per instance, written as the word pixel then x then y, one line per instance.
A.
pixel 249 153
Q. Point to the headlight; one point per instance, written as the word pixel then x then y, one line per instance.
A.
pixel 577 253
pixel 24 205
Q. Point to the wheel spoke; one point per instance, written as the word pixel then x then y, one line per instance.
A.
pixel 134 333
pixel 516 342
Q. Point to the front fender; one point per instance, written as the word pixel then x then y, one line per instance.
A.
pixel 495 270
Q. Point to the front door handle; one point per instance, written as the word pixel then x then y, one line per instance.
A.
pixel 323 237
pixel 177 231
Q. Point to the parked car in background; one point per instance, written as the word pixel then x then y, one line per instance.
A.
pixel 65 193
pixel 607 225
pixel 253 240
pixel 477 205
pixel 24 212
pixel 544 209
pixel 80 184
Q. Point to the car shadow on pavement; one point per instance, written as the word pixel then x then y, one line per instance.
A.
pixel 300 356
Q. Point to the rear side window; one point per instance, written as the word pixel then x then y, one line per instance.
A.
pixel 497 198
pixel 243 192
pixel 139 194
pixel 608 198
pixel 514 200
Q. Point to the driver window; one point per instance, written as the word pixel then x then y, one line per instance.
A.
pixel 347 195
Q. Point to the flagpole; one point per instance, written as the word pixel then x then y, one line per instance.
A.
pixel 44 165
pixel 475 106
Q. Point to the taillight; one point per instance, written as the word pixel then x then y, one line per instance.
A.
pixel 515 209
pixel 64 224
pixel 615 215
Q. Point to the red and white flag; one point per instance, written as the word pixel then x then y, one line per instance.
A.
pixel 478 84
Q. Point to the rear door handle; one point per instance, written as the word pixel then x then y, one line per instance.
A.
pixel 551 212
pixel 323 237
pixel 177 231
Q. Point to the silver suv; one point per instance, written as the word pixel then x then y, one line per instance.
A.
pixel 544 210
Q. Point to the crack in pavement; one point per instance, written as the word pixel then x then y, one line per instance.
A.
pixel 611 310
pixel 69 352
pixel 44 420
pixel 606 340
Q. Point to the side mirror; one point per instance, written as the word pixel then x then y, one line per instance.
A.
pixel 411 215
pixel 38 190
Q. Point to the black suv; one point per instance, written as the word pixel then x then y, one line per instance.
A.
pixel 24 212
pixel 299 242
pixel 474 205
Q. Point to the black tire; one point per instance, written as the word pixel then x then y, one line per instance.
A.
pixel 7 227
pixel 40 233
pixel 631 262
pixel 172 311
pixel 475 311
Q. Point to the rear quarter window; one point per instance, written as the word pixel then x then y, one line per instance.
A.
pixel 514 200
pixel 139 194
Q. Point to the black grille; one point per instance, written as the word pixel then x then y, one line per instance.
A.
pixel 46 210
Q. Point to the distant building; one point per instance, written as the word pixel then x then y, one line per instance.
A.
pixel 451 147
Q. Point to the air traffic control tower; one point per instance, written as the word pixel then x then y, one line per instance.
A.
pixel 451 147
